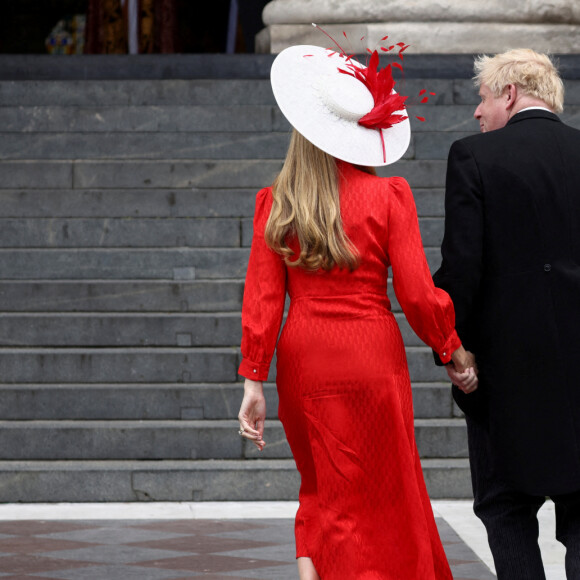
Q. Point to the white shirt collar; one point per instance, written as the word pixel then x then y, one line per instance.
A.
pixel 535 108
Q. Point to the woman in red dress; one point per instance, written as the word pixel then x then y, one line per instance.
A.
pixel 326 233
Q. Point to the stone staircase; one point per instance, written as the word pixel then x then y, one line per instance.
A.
pixel 126 196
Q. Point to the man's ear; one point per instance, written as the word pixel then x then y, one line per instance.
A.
pixel 510 93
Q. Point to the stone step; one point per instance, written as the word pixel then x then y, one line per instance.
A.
pixel 157 203
pixel 211 117
pixel 206 91
pixel 127 92
pixel 143 329
pixel 122 232
pixel 146 146
pixel 135 263
pixel 175 111
pixel 176 401
pixel 465 93
pixel 130 295
pixel 138 329
pixel 115 264
pixel 168 118
pixel 121 296
pixel 143 203
pixel 181 174
pixel 185 146
pixel 118 365
pixel 436 145
pixel 247 146
pixel 154 365
pixel 146 66
pixel 159 67
pixel 207 119
pixel 192 92
pixel 130 232
pixel 171 480
pixel 183 439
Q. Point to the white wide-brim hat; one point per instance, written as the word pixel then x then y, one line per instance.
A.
pixel 325 105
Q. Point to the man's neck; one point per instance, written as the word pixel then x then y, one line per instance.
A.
pixel 526 102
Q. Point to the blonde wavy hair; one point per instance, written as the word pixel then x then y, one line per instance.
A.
pixel 307 206
pixel 534 73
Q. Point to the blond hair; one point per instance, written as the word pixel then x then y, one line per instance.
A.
pixel 307 206
pixel 534 73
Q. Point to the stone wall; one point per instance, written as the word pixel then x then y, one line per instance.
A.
pixel 430 26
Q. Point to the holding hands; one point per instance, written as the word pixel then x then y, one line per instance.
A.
pixel 463 371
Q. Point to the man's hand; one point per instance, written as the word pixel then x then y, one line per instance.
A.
pixel 466 381
pixel 463 370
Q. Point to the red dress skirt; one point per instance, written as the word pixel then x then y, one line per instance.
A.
pixel 344 388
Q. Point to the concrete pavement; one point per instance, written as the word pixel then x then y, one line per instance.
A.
pixel 218 540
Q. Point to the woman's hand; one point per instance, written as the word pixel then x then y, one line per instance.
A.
pixel 253 413
pixel 463 359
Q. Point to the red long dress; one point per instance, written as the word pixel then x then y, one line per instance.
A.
pixel 344 388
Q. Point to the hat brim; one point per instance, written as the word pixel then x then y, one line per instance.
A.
pixel 295 75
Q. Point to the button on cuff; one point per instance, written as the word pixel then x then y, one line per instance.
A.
pixel 254 370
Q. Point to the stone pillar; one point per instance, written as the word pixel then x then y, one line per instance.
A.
pixel 429 26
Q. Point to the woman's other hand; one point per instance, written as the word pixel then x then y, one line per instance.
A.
pixel 253 413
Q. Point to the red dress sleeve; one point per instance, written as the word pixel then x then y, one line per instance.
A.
pixel 264 297
pixel 428 309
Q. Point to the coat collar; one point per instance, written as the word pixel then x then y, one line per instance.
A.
pixel 533 114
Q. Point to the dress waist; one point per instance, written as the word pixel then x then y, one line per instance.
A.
pixel 342 305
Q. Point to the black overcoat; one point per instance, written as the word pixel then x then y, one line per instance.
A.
pixel 511 263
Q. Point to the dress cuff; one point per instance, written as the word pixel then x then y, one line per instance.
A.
pixel 450 346
pixel 253 370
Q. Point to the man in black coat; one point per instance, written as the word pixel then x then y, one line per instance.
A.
pixel 511 263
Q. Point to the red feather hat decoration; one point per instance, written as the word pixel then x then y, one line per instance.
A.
pixel 381 85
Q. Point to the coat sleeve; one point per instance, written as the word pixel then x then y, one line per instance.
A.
pixel 428 309
pixel 264 296
pixel 462 248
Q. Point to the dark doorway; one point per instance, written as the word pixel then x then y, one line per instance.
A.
pixel 25 24
pixel 200 27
